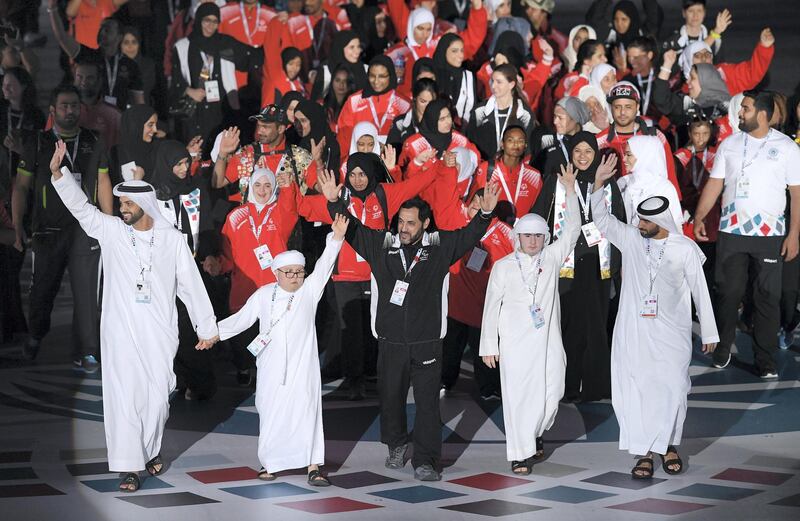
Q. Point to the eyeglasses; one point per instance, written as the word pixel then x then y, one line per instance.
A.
pixel 293 274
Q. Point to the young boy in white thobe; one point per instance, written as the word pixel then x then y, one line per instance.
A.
pixel 662 272
pixel 521 328
pixel 146 263
pixel 288 382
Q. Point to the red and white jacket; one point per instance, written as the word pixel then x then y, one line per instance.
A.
pixel 380 110
pixel 520 186
pixel 239 242
pixel 246 24
pixel 350 267
pixel 534 78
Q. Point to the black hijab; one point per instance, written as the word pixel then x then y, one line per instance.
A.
pixel 421 65
pixel 448 78
pixel 511 45
pixel 629 9
pixel 316 115
pixel 336 58
pixel 373 168
pixel 586 137
pixel 131 145
pixel 166 183
pixel 215 45
pixel 386 62
pixel 430 126
pixel 289 54
pixel 374 45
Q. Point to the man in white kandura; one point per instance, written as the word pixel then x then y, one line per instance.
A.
pixel 662 272
pixel 146 263
pixel 522 309
pixel 288 383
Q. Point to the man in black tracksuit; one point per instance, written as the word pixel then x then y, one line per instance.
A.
pixel 409 299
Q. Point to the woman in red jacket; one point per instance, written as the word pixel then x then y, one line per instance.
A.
pixel 283 77
pixel 379 103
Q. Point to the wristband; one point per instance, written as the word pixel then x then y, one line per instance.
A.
pixel 666 69
pixel 715 35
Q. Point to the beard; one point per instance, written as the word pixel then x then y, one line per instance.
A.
pixel 747 125
pixel 134 217
pixel 649 234
pixel 406 238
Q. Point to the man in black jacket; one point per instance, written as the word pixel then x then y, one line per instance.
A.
pixel 409 299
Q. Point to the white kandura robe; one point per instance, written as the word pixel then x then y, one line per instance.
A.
pixel 138 341
pixel 650 356
pixel 288 382
pixel 532 361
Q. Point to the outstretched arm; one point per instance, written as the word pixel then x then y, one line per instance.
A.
pixel 67 42
pixel 609 226
pixel 324 266
pixel 460 241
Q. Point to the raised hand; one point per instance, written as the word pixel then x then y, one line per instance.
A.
pixel 326 179
pixel 620 59
pixel 195 145
pixel 339 226
pixel 58 157
pixel 605 170
pixel 284 179
pixel 490 194
pixel 547 49
pixel 724 19
pixel 317 148
pixel 424 156
pixel 767 38
pixel 669 59
pixel 229 142
pixel 389 156
pixel 567 177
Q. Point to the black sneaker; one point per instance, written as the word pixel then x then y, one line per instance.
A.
pixel 397 457
pixel 492 395
pixel 768 373
pixel 30 350
pixel 88 364
pixel 721 360
pixel 244 378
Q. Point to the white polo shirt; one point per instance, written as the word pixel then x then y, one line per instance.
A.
pixel 754 195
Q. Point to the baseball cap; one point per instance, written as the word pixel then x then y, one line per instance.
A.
pixel 623 89
pixel 271 114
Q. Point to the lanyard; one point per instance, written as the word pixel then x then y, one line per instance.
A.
pixel 318 43
pixel 74 155
pixel 746 163
pixel 497 128
pixel 171 10
pixel 490 231
pixel 273 323
pixel 142 268
pixel 537 270
pixel 502 179
pixel 560 139
pixel 584 202
pixel 257 231
pixel 209 65
pixel 651 273
pixel 460 6
pixel 406 268
pixel 19 122
pixel 246 24
pixel 646 103
pixel 374 111
pixel 112 76
pixel 176 208
pixel 698 177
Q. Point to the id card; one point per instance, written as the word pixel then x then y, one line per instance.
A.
pixel 264 256
pixel 591 234
pixel 399 292
pixel 128 171
pixel 649 306
pixel 476 258
pixel 212 91
pixel 537 316
pixel 743 188
pixel 111 100
pixel 142 292
pixel 258 344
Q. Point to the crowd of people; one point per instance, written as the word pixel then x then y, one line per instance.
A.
pixel 366 189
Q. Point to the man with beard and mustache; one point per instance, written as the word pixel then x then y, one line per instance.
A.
pixel 409 319
pixel 146 265
pixel 122 82
pixel 752 170
pixel 95 114
pixel 58 242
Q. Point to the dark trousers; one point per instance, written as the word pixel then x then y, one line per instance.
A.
pixel 738 256
pixel 421 366
pixel 789 293
pixel 53 252
pixel 12 318
pixel 584 319
pixel 358 344
pixel 709 249
pixel 459 335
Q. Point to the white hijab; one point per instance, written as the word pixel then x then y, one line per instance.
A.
pixel 590 91
pixel 419 16
pixel 365 128
pixel 467 161
pixel 733 112
pixel 257 174
pixel 598 73
pixel 686 58
pixel 570 55
pixel 649 177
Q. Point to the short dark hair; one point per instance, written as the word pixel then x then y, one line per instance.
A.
pixel 512 127
pixel 644 43
pixel 423 208
pixel 689 3
pixel 762 100
pixel 63 89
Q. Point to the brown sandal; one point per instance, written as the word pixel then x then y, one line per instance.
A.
pixel 641 470
pixel 263 475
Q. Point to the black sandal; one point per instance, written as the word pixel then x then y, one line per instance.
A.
pixel 316 479
pixel 521 468
pixel 263 475
pixel 641 471
pixel 539 449
pixel 665 463
pixel 151 466
pixel 128 479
